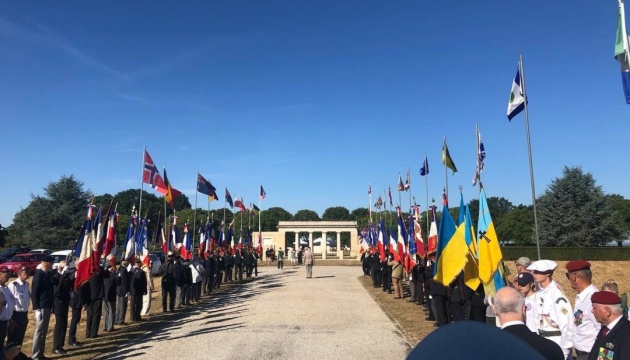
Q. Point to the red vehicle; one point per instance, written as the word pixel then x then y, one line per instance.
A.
pixel 29 261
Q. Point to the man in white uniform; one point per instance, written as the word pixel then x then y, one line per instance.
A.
pixel 585 327
pixel 553 308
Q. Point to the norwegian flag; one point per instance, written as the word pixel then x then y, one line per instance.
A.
pixel 151 175
pixel 239 204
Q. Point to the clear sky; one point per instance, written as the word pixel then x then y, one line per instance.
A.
pixel 311 99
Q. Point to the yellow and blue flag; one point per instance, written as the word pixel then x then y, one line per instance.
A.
pixel 489 250
pixel 451 250
pixel 471 270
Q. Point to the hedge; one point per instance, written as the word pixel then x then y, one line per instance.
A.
pixel 558 253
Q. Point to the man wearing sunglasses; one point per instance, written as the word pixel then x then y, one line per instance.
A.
pixel 553 308
pixel 585 326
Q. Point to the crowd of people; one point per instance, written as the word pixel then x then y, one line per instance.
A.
pixel 533 307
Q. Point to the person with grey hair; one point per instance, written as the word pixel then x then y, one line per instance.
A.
pixel 522 263
pixel 509 307
pixel 613 340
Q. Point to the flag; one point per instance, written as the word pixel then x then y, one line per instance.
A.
pixel 418 231
pixel 407 181
pixel 151 175
pixel 171 193
pixel 262 193
pixel 143 243
pixel 490 255
pixel 471 270
pixel 109 249
pixel 444 198
pixel 402 235
pixel 186 244
pixel 174 241
pixel 228 198
pixel 446 158
pixel 517 96
pixel 622 53
pixel 413 250
pixel 239 204
pixel 451 250
pixel 381 239
pixel 378 203
pixel 203 240
pixel 391 204
pixel 130 238
pixel 433 232
pixel 401 186
pixel 255 208
pixel 369 189
pixel 85 251
pixel 205 187
pixel 424 170
pixel 481 155
pixel 213 240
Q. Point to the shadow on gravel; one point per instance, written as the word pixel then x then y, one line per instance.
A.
pixel 323 277
pixel 222 310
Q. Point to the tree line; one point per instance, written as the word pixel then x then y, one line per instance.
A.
pixel 572 212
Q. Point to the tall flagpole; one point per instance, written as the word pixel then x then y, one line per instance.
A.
pixel 445 170
pixel 477 154
pixel 195 213
pixel 426 190
pixel 409 178
pixel 142 181
pixel 529 151
pixel 370 201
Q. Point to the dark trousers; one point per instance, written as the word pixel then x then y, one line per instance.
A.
pixel 238 272
pixel 387 282
pixel 121 309
pixel 136 307
pixel 195 291
pixel 457 311
pixel 478 313
pixel 186 294
pixel 4 326
pixel 248 271
pixel 74 322
pixel 93 320
pixel 419 289
pixel 228 274
pixel 17 334
pixel 217 280
pixel 280 264
pixel 206 285
pixel 431 308
pixel 168 295
pixel 439 302
pixel 375 278
pixel 61 328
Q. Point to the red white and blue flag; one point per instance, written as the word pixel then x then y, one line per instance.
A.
pixel 130 238
pixel 151 175
pixel 109 249
pixel 86 251
pixel 186 246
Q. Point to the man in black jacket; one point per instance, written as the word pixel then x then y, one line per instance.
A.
pixel 613 340
pixel 95 307
pixel 509 306
pixel 43 298
pixel 110 283
pixel 63 287
pixel 248 261
pixel 79 299
pixel 238 265
pixel 137 290
pixel 122 292
pixel 170 276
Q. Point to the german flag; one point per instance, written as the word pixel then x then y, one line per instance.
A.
pixel 172 193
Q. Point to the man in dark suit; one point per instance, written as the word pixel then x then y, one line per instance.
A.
pixel 613 340
pixel 79 299
pixel 137 290
pixel 170 275
pixel 63 287
pixel 110 283
pixel 95 307
pixel 122 292
pixel 43 297
pixel 509 307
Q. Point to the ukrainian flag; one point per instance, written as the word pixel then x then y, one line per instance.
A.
pixel 451 250
pixel 471 270
pixel 490 255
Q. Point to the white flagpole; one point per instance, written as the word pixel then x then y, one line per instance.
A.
pixel 370 201
pixel 194 229
pixel 142 181
pixel 529 151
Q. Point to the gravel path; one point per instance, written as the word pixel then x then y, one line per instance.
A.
pixel 281 315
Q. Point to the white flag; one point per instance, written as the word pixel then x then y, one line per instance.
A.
pixel 517 98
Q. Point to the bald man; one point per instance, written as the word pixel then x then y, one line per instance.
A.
pixel 509 307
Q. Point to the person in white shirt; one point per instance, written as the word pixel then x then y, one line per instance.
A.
pixel 526 286
pixel 585 327
pixel 556 314
pixel 22 295
pixel 6 305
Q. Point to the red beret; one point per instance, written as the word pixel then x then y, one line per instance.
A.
pixel 575 265
pixel 606 298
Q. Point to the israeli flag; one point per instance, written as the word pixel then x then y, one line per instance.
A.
pixel 517 98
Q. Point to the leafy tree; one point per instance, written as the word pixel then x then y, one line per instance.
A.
pixel 269 218
pixel 2 235
pixel 337 213
pixel 498 206
pixel 621 213
pixel 575 212
pixel 54 219
pixel 517 226
pixel 306 215
pixel 360 215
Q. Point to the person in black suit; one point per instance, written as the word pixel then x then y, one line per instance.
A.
pixel 509 307
pixel 110 283
pixel 95 307
pixel 63 287
pixel 43 297
pixel 137 290
pixel 79 299
pixel 613 340
pixel 208 271
pixel 122 292
pixel 170 276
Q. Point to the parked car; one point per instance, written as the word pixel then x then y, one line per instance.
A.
pixel 59 256
pixel 160 255
pixel 29 261
pixel 40 251
pixel 3 259
pixel 156 264
pixel 11 252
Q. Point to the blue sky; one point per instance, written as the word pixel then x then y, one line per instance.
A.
pixel 311 99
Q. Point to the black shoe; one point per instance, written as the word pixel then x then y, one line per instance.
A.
pixel 429 319
pixel 60 351
pixel 75 344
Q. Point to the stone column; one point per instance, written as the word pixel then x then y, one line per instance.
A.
pixel 339 251
pixel 324 245
pixel 310 240
pixel 296 243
